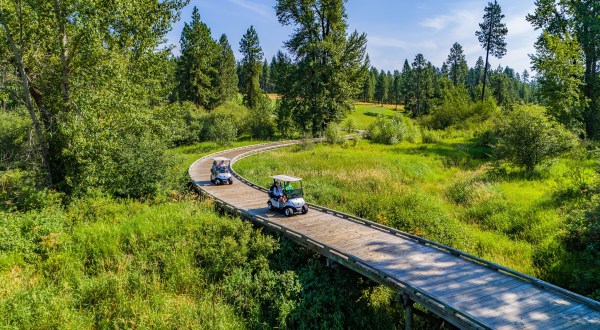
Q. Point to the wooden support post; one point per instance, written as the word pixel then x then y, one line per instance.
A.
pixel 408 312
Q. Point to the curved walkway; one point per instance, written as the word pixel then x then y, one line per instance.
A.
pixel 460 288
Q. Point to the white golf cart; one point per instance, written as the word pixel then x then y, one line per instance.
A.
pixel 292 201
pixel 219 172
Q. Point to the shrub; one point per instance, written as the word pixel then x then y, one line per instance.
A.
pixel 457 110
pixel 393 130
pixel 333 135
pixel 527 136
pixel 14 127
pixel 178 123
pixel 349 125
pixel 260 120
pixel 18 190
pixel 430 136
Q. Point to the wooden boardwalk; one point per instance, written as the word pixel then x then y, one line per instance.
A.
pixel 459 288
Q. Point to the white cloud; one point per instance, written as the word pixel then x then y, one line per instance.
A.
pixel 260 9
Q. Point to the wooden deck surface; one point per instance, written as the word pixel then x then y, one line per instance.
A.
pixel 495 299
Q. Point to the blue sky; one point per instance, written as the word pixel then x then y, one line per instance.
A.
pixel 396 29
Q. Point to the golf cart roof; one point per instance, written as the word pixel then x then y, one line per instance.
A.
pixel 285 178
pixel 221 159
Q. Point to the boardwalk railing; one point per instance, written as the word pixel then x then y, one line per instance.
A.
pixel 457 317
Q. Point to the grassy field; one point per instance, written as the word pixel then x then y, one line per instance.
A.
pixel 446 192
pixel 172 262
pixel 366 113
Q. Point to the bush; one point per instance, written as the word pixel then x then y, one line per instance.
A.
pixel 349 125
pixel 333 135
pixel 178 123
pixel 14 127
pixel 429 136
pixel 457 110
pixel 527 136
pixel 393 130
pixel 123 155
pixel 260 121
pixel 18 190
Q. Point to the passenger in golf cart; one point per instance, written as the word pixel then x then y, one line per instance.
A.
pixel 219 172
pixel 286 198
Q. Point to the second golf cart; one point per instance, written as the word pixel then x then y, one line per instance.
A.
pixel 283 196
pixel 219 172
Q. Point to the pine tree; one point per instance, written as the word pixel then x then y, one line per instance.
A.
pixel 405 87
pixel 381 89
pixel 228 78
pixel 251 67
pixel 421 86
pixel 491 36
pixel 397 87
pixel 197 68
pixel 265 77
pixel 457 65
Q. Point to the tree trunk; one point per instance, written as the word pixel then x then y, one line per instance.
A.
pixel 64 58
pixel 485 68
pixel 27 97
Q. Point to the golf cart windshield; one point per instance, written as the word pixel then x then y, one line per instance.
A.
pixel 222 169
pixel 295 193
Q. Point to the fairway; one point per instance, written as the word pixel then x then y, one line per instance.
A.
pixel 366 113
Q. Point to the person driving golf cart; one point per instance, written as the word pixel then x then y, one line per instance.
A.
pixel 286 199
pixel 219 172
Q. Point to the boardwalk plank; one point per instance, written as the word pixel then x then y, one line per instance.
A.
pixel 492 297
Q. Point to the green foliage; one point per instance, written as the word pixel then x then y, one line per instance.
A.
pixel 431 136
pixel 99 263
pixel 349 125
pixel 457 65
pixel 561 68
pixel 20 191
pixel 251 67
pixel 420 87
pixel 456 110
pixel 198 66
pixel 333 134
pixel 491 36
pixel 527 137
pixel 227 77
pixel 260 121
pixel 393 130
pixel 14 128
pixel 381 88
pixel 330 65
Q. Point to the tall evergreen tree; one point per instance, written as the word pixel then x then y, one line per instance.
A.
pixel 265 77
pixel 457 65
pixel 381 89
pixel 397 88
pixel 251 67
pixel 421 86
pixel 330 63
pixel 197 68
pixel 491 36
pixel 228 78
pixel 405 87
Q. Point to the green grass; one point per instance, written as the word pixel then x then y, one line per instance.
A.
pixel 170 263
pixel 446 192
pixel 365 114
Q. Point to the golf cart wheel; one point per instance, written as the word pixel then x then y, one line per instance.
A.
pixel 289 211
pixel 230 181
pixel 217 182
pixel 304 209
pixel 269 206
